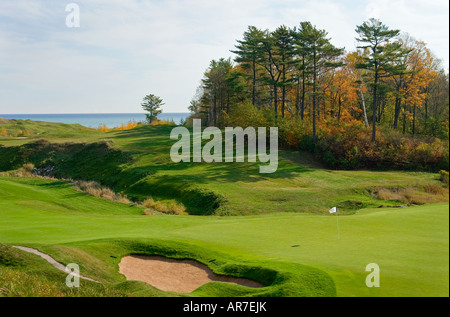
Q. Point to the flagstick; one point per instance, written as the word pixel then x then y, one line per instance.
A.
pixel 337 225
pixel 334 210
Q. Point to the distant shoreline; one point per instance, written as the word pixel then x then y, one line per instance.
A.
pixel 81 113
pixel 94 120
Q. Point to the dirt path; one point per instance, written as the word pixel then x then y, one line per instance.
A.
pixel 52 261
pixel 181 276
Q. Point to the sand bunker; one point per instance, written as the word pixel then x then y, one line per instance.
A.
pixel 181 276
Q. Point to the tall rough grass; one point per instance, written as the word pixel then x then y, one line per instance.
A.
pixel 426 194
pixel 25 171
pixel 443 176
pixel 95 189
pixel 122 127
pixel 15 283
pixel 170 208
pixel 163 122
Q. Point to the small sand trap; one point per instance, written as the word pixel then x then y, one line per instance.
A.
pixel 181 276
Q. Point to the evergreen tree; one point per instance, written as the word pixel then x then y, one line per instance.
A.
pixel 270 60
pixel 321 52
pixel 377 38
pixel 217 90
pixel 152 104
pixel 283 37
pixel 248 53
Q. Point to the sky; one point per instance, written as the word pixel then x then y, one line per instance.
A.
pixel 126 49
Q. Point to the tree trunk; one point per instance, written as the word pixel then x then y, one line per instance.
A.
pixel 366 121
pixel 297 97
pixel 283 93
pixel 398 105
pixel 303 91
pixel 213 112
pixel 254 83
pixel 314 100
pixel 404 118
pixel 275 99
pixel 374 105
pixel 339 111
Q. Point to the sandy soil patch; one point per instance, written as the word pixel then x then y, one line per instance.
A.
pixel 181 276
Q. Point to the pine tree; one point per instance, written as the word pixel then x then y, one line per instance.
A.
pixel 377 38
pixel 248 53
pixel 283 38
pixel 321 52
pixel 152 104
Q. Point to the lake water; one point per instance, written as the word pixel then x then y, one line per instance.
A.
pixel 94 120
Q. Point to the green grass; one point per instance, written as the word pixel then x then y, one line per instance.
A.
pixel 277 229
pixel 26 275
pixel 137 163
pixel 18 132
pixel 409 244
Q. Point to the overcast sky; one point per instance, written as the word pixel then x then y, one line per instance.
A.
pixel 126 49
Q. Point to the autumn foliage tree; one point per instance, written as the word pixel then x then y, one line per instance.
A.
pixel 322 97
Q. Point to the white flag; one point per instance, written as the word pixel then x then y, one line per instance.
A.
pixel 333 210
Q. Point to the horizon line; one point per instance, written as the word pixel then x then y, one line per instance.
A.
pixel 9 114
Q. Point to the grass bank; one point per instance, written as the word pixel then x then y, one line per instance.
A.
pixel 409 244
pixel 137 163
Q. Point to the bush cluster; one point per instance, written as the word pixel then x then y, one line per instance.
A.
pixel 346 143
pixel 349 146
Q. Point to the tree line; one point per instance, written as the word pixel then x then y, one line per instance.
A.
pixel 389 80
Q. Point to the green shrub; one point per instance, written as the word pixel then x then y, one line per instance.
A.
pixel 444 176
pixel 3 132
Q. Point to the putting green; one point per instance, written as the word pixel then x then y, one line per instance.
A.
pixel 410 245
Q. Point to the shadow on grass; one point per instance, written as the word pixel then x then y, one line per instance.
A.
pixel 74 195
pixel 140 167
pixel 56 184
pixel 152 144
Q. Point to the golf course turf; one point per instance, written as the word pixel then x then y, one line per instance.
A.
pixel 273 229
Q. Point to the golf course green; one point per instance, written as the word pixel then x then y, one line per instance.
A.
pixel 274 229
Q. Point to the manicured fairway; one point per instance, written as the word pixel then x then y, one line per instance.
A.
pixel 410 245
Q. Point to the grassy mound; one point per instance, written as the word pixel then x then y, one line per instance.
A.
pixel 281 279
pixel 136 163
pixel 27 275
pixel 11 129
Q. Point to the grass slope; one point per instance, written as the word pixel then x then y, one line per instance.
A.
pixel 294 253
pixel 17 131
pixel 278 230
pixel 137 163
